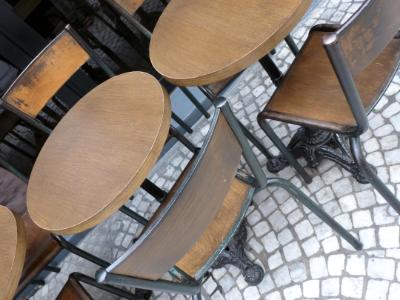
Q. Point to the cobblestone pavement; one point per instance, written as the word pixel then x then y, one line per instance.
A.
pixel 302 257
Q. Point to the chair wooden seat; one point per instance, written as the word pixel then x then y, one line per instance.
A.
pixel 311 95
pixel 217 231
pixel 12 252
pixel 99 154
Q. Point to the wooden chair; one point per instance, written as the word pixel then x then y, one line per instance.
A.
pixel 12 252
pixel 47 73
pixel 334 90
pixel 188 234
pixel 73 289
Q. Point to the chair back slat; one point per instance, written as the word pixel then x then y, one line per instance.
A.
pixel 46 74
pixel 187 213
pixel 131 6
pixel 368 32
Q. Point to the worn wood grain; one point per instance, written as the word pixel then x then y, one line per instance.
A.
pixel 46 74
pixel 217 231
pixel 199 42
pixel 99 154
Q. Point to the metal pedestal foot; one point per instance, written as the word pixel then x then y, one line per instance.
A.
pixel 316 145
pixel 234 255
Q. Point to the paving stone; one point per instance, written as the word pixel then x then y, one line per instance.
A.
pixel 367 238
pixel 377 290
pixel 266 285
pixel 318 267
pixel 270 242
pixel 261 228
pixel 251 293
pixel 274 296
pixel 311 289
pixel 267 207
pixel 281 276
pixel 336 264
pixel 389 237
pixel 293 292
pixel 285 236
pixel 235 294
pixel 348 203
pixel 298 272
pixel 362 218
pixel 304 229
pixel 394 291
pixel 330 287
pixel 278 221
pixel 311 246
pixel 275 260
pixel 330 244
pixel 352 287
pixel 355 265
pixel 381 268
pixel 292 251
pixel 366 199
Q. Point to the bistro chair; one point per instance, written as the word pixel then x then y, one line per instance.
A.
pixel 189 232
pixel 334 83
pixel 28 96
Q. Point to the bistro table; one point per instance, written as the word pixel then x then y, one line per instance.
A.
pixel 12 252
pixel 202 42
pixel 99 154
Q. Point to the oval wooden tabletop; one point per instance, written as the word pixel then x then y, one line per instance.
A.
pixel 12 252
pixel 200 42
pixel 99 154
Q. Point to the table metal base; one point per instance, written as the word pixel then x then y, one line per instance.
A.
pixel 235 255
pixel 316 145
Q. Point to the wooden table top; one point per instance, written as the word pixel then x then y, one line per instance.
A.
pixel 200 42
pixel 12 252
pixel 99 154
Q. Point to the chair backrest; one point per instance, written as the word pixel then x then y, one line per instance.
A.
pixel 368 32
pixel 188 210
pixel 46 74
pixel 357 44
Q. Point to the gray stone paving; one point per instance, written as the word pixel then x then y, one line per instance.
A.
pixel 302 257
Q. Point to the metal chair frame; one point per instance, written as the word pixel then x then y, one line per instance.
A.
pixel 192 286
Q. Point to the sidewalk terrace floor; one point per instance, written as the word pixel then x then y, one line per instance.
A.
pixel 301 256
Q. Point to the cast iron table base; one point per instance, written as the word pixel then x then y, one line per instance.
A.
pixel 234 254
pixel 316 145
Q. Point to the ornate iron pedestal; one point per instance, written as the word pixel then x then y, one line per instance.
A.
pixel 315 145
pixel 234 255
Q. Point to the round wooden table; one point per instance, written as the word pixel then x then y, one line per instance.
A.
pixel 199 42
pixel 12 252
pixel 99 154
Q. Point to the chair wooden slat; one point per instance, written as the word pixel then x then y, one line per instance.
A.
pixel 217 231
pixel 186 214
pixel 46 74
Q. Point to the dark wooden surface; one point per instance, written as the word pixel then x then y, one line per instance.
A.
pixel 311 95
